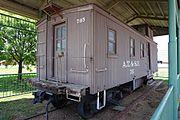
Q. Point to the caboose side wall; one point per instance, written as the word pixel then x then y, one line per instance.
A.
pixel 115 73
pixel 118 72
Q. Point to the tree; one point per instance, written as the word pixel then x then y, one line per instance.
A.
pixel 18 45
pixel 2 57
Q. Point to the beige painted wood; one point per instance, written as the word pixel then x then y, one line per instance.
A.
pixel 86 61
pixel 41 50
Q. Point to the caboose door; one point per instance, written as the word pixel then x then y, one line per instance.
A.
pixel 148 56
pixel 60 52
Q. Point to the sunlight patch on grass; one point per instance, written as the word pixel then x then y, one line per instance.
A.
pixel 14 70
pixel 28 96
pixel 162 74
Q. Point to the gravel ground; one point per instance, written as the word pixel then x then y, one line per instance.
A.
pixel 142 110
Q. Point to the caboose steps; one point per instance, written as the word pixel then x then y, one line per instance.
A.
pixel 60 88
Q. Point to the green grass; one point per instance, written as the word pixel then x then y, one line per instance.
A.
pixel 162 74
pixel 19 107
pixel 14 70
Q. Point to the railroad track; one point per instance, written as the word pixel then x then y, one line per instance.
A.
pixel 44 113
pixel 153 85
pixel 37 115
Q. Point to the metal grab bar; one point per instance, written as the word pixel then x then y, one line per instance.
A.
pixel 84 57
pixel 79 71
pixel 101 70
pixel 98 100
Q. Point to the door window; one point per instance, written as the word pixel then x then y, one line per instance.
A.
pixel 60 37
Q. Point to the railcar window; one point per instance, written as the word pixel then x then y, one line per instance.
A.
pixel 132 47
pixel 141 50
pixel 60 37
pixel 111 41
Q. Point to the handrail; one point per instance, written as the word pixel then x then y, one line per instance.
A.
pixel 85 66
pixel 101 69
pixel 79 71
pixel 157 114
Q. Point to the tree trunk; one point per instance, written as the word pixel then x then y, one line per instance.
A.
pixel 20 70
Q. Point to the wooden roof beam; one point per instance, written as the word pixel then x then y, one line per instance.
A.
pixel 131 19
pixel 143 10
pixel 111 11
pixel 154 18
pixel 162 1
pixel 135 10
pixel 113 5
pixel 83 1
pixel 160 9
pixel 151 8
pixel 145 17
pixel 62 3
pixel 20 9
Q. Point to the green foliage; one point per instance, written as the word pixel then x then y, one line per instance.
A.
pixel 17 41
pixel 2 56
pixel 18 45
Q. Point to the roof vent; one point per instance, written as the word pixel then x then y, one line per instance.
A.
pixel 51 9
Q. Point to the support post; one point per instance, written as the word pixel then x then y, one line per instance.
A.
pixel 178 52
pixel 172 57
pixel 178 43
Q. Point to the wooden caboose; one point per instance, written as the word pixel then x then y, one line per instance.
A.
pixel 84 54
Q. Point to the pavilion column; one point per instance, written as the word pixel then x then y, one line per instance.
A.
pixel 178 52
pixel 172 54
pixel 178 43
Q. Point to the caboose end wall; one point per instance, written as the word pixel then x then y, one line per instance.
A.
pixel 41 49
pixel 70 62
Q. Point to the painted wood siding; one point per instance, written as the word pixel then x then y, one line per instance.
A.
pixel 41 50
pixel 79 47
pixel 87 44
pixel 117 73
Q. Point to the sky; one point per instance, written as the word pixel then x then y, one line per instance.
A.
pixel 162 42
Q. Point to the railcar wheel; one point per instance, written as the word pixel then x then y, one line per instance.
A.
pixel 59 101
pixel 87 107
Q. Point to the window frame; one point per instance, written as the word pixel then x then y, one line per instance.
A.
pixel 114 42
pixel 142 48
pixel 61 39
pixel 132 47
